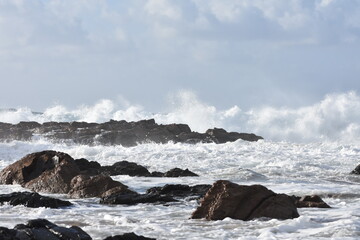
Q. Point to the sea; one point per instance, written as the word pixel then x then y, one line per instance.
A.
pixel 306 150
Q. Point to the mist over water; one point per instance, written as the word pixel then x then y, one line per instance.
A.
pixel 335 118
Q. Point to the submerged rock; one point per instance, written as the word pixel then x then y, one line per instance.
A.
pixel 227 199
pixel 118 133
pixel 41 229
pixel 128 236
pixel 313 201
pixel 47 171
pixel 33 200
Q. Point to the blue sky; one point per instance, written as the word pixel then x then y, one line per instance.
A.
pixel 284 53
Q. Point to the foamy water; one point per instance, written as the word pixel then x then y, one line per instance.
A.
pixel 307 150
pixel 291 168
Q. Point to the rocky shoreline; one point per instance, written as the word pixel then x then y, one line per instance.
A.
pixel 117 133
pixel 57 172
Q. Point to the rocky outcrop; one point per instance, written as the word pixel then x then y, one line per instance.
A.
pixel 117 133
pixel 47 171
pixel 178 172
pixel 57 172
pixel 313 201
pixel 227 199
pixel 129 236
pixel 33 200
pixel 40 229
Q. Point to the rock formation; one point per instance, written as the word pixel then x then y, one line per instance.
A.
pixel 117 133
pixel 227 199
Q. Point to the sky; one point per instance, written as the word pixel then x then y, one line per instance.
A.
pixel 248 53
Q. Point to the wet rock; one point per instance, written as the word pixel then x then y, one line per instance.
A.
pixel 135 198
pixel 227 199
pixel 126 168
pixel 41 229
pixel 180 190
pixel 88 167
pixel 84 186
pixel 313 201
pixel 33 200
pixel 177 172
pixel 356 170
pixel 117 133
pixel 128 236
pixel 47 171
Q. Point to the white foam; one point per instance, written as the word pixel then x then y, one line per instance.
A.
pixel 335 118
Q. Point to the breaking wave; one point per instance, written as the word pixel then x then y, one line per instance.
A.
pixel 335 118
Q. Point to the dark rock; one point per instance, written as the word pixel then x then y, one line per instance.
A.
pixel 227 199
pixel 313 201
pixel 128 236
pixel 135 198
pixel 33 200
pixel 180 190
pixel 41 229
pixel 126 168
pixel 356 170
pixel 117 133
pixel 177 172
pixel 83 186
pixel 46 171
pixel 88 167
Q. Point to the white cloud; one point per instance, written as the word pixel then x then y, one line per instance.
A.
pixel 163 8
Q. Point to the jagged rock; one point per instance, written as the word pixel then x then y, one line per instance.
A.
pixel 33 200
pixel 117 133
pixel 180 190
pixel 177 172
pixel 126 168
pixel 128 236
pixel 313 201
pixel 47 171
pixel 356 170
pixel 84 186
pixel 227 199
pixel 41 229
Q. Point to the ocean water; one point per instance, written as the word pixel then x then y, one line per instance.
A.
pixel 308 150
pixel 290 168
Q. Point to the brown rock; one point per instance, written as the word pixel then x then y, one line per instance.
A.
pixel 47 171
pixel 95 186
pixel 227 199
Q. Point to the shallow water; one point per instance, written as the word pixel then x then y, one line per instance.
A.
pixel 291 168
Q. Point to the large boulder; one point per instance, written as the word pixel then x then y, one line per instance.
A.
pixel 33 200
pixel 227 199
pixel 84 186
pixel 40 229
pixel 178 172
pixel 47 171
